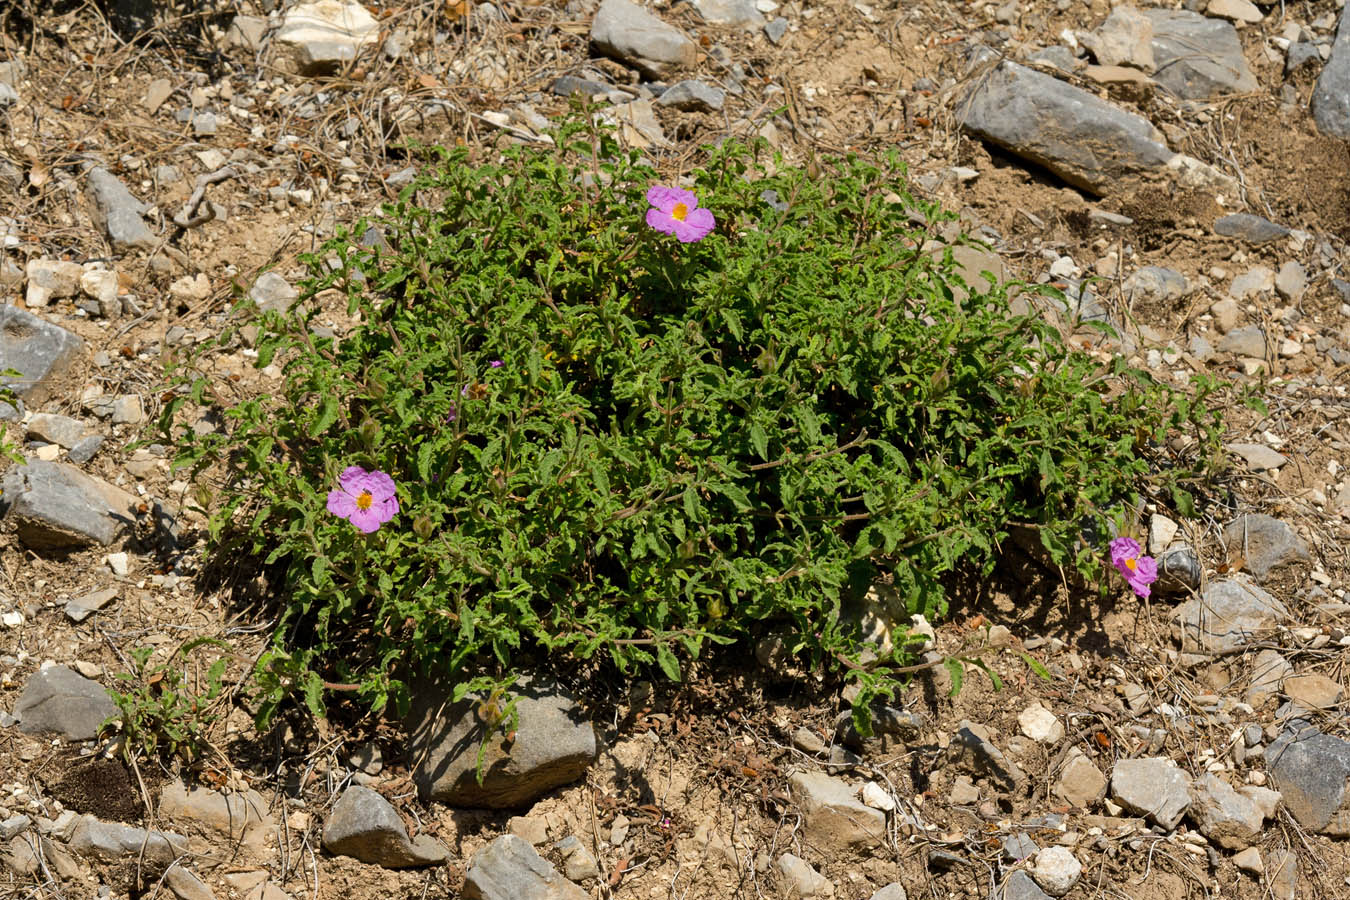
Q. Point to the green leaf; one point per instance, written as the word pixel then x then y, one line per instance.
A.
pixel 957 671
pixel 759 440
pixel 328 413
pixel 1036 666
pixel 669 664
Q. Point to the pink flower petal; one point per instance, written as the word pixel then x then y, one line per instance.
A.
pixel 695 227
pixel 351 479
pixel 340 503
pixel 367 520
pixel 380 485
pixel 661 221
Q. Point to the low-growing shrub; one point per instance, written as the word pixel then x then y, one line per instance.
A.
pixel 600 433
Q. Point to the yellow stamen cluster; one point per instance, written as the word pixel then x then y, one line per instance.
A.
pixel 365 501
pixel 680 212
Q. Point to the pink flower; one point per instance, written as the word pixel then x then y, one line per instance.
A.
pixel 676 211
pixel 1139 571
pixel 366 499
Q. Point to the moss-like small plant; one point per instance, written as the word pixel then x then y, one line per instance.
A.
pixel 564 425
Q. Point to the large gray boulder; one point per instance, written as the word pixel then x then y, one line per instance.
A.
pixel 42 353
pixel 111 841
pixel 553 745
pixel 1197 57
pixel 1081 138
pixel 56 506
pixel 1331 97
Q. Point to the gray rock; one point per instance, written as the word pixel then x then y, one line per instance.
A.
pixel 120 212
pixel 1292 280
pixel 40 352
pixel 363 825
pixel 1230 613
pixel 1081 138
pixel 971 749
pixel 578 863
pixel 1056 57
pixel 112 841
pixel 1265 543
pixel 1268 671
pixel 1255 281
pixel 1250 340
pixel 730 12
pixel 57 429
pixel 272 293
pixel 204 124
pixel 241 816
pixel 1056 870
pixel 321 37
pixel 1300 54
pixel 632 35
pixel 1330 102
pixel 1153 787
pixel 14 825
pixel 1179 570
pixel 246 32
pixel 1258 456
pixel 693 95
pixel 775 30
pixel 1155 282
pixel 58 700
pixel 1018 846
pixel 1020 886
pixel 85 606
pixel 554 744
pixel 1311 769
pixel 8 96
pixel 1197 57
pixel 893 891
pixel 1124 39
pixel 832 815
pixel 567 85
pixel 801 880
pixel 56 505
pixel 185 885
pixel 84 451
pixel 1223 815
pixel 1250 228
pixel 510 869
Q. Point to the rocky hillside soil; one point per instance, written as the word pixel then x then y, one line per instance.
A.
pixel 1182 173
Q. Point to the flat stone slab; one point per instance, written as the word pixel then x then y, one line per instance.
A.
pixel 1311 769
pixel 1088 142
pixel 1331 97
pixel 1223 815
pixel 59 700
pixel 111 841
pixel 510 869
pixel 554 745
pixel 832 815
pixel 241 816
pixel 39 351
pixel 120 211
pixel 55 505
pixel 1197 57
pixel 325 35
pixel 1230 613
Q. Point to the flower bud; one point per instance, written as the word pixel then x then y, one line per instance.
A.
pixel 369 432
pixel 422 527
